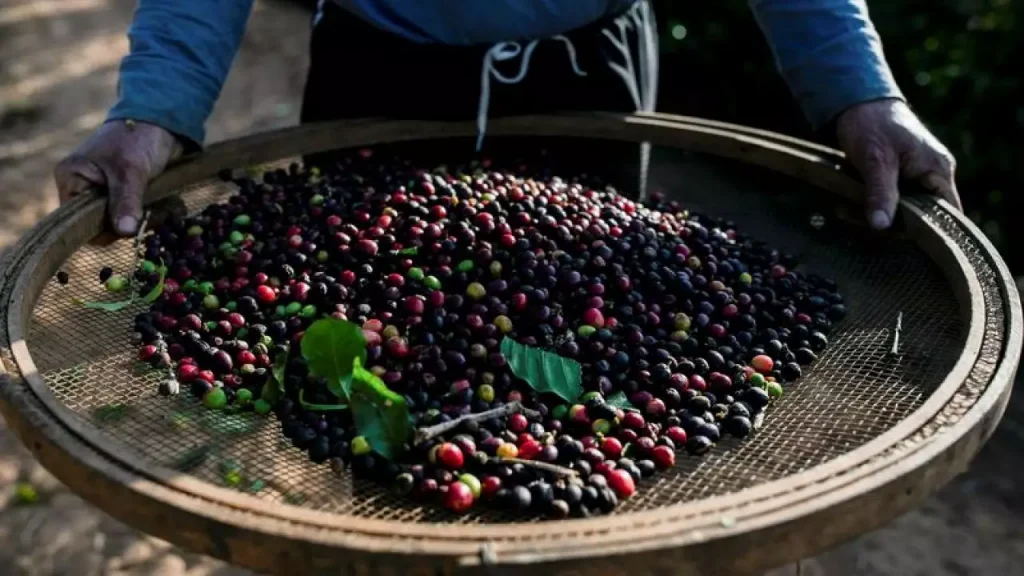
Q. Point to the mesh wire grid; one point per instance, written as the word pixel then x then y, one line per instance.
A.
pixel 855 391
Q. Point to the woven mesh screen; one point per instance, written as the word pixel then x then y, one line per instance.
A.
pixel 854 392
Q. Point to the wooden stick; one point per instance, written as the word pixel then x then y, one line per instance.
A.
pixel 552 468
pixel 430 432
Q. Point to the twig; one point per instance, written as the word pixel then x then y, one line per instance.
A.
pixel 137 241
pixel 173 386
pixel 758 421
pixel 132 283
pixel 552 468
pixel 896 335
pixel 137 255
pixel 424 434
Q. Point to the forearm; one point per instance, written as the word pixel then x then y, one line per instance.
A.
pixel 828 52
pixel 180 55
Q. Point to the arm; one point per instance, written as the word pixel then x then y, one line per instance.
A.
pixel 828 52
pixel 181 51
pixel 830 55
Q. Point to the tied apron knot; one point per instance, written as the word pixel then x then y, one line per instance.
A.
pixel 501 52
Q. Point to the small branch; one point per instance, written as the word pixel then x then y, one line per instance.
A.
pixel 161 348
pixel 552 468
pixel 137 255
pixel 137 241
pixel 430 432
pixel 132 283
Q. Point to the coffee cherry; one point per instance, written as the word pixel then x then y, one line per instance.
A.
pixel 473 483
pixel 450 456
pixel 611 447
pixel 697 325
pixel 663 457
pixel 360 446
pixel 507 450
pixel 459 497
pixel 677 435
pixel 762 364
pixel 621 483
pixel 518 423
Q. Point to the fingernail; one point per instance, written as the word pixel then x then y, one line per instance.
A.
pixel 127 225
pixel 879 220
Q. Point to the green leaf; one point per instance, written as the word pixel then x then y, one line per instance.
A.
pixel 294 498
pixel 410 251
pixel 232 424
pixel 192 459
pixel 330 347
pixel 232 478
pixel 178 420
pixel 271 392
pixel 273 388
pixel 108 306
pixel 545 372
pixel 25 493
pixel 141 368
pixel 278 369
pixel 157 290
pixel 229 465
pixel 380 415
pixel 320 407
pixel 110 413
pixel 618 400
pixel 342 388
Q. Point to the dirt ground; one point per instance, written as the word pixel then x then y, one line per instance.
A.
pixel 58 65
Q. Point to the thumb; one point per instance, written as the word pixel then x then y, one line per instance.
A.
pixel 125 202
pixel 881 181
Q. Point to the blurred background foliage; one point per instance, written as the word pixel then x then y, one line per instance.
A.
pixel 959 63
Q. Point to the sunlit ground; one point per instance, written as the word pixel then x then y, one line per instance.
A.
pixel 58 75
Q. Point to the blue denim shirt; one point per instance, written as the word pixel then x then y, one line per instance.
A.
pixel 181 50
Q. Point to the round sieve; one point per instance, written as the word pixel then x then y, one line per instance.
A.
pixel 914 380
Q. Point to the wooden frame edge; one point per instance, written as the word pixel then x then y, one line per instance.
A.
pixel 169 184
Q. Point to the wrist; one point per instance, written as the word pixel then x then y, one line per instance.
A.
pixel 176 144
pixel 829 132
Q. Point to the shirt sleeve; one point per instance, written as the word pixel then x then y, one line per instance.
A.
pixel 180 52
pixel 828 52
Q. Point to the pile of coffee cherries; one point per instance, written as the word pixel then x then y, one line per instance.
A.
pixel 699 327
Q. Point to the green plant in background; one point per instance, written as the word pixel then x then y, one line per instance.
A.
pixel 954 60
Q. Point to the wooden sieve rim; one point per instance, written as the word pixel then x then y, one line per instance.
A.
pixel 756 509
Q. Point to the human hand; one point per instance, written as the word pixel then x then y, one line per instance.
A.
pixel 885 141
pixel 123 156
